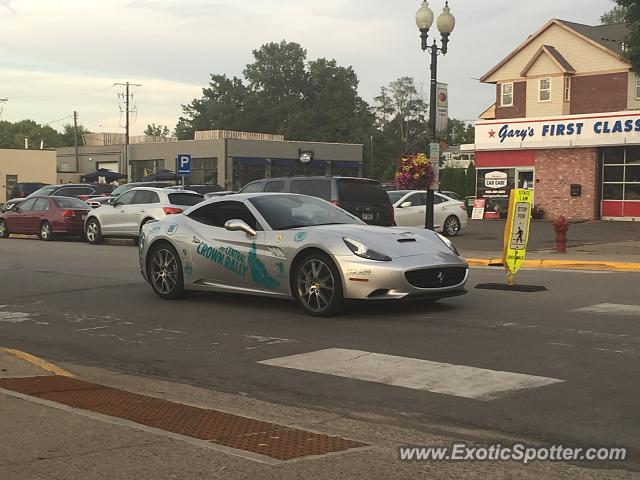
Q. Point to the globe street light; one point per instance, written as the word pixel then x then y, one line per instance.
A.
pixel 445 24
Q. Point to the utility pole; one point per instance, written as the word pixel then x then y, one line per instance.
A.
pixel 75 139
pixel 127 97
pixel 2 102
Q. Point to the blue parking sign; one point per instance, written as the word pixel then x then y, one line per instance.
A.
pixel 183 164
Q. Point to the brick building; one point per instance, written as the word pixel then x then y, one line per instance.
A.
pixel 566 123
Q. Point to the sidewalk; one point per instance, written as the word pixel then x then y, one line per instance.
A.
pixel 42 440
pixel 591 246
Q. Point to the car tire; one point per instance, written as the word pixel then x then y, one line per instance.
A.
pixel 4 229
pixel 317 285
pixel 451 226
pixel 93 232
pixel 46 231
pixel 164 271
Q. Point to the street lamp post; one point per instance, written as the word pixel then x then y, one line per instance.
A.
pixel 445 23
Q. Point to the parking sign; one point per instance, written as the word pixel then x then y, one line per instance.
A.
pixel 183 164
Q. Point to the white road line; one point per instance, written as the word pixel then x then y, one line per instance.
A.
pixel 414 373
pixel 611 309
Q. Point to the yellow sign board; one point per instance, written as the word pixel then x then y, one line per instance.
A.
pixel 516 230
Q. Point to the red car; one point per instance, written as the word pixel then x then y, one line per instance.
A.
pixel 45 217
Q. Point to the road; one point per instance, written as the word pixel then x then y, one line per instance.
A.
pixel 88 305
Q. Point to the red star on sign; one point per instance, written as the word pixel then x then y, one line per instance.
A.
pixel 492 134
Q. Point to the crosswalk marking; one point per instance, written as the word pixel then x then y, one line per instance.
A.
pixel 611 309
pixel 445 378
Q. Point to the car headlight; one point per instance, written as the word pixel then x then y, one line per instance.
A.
pixel 361 250
pixel 448 243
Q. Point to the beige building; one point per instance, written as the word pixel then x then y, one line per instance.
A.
pixel 19 166
pixel 230 159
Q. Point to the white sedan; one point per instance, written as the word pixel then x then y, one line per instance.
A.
pixel 450 216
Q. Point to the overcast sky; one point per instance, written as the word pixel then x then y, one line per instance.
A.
pixel 68 53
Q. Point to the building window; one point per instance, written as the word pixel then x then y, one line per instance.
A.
pixel 204 171
pixel 544 90
pixel 567 89
pixel 506 97
pixel 637 86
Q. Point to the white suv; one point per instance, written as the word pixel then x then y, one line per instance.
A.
pixel 131 210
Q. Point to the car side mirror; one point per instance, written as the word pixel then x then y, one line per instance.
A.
pixel 239 225
pixel 406 204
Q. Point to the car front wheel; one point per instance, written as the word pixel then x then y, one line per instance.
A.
pixel 451 226
pixel 318 286
pixel 164 270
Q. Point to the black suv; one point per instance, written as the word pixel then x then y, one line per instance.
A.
pixel 24 189
pixel 362 197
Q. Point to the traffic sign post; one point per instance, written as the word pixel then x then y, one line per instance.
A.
pixel 516 231
pixel 183 165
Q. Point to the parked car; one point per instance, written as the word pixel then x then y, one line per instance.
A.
pixel 45 217
pixel 204 189
pixel 297 247
pixel 24 189
pixel 223 193
pixel 449 216
pixel 99 201
pixel 83 191
pixel 364 198
pixel 126 215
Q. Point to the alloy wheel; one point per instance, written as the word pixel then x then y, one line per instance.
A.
pixel 92 232
pixel 164 271
pixel 316 285
pixel 4 231
pixel 45 231
pixel 451 226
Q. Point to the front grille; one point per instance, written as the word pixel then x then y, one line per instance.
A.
pixel 436 277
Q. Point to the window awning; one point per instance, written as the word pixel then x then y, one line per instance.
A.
pixel 290 162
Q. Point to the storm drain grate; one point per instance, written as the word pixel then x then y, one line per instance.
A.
pixel 234 431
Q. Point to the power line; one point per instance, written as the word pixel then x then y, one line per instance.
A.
pixel 98 122
pixel 104 89
pixel 56 121
pixel 127 98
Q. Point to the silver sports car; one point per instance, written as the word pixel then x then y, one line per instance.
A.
pixel 295 246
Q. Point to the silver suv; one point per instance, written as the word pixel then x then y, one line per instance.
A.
pixel 131 210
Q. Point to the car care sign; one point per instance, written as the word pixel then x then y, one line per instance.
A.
pixel 516 230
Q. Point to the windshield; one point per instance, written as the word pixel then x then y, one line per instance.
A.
pixel 396 195
pixel 283 212
pixel 122 189
pixel 44 191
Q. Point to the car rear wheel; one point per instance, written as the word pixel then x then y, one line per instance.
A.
pixel 318 286
pixel 4 230
pixel 451 226
pixel 164 270
pixel 46 232
pixel 92 232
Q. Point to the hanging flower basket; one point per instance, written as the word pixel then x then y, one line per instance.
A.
pixel 414 172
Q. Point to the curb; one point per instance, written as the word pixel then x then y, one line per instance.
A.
pixel 38 362
pixel 561 264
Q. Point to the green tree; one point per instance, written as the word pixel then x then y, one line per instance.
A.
pixel 617 14
pixel 629 13
pixel 283 93
pixel 154 130
pixel 66 136
pixel 12 135
pixel 470 189
pixel 459 132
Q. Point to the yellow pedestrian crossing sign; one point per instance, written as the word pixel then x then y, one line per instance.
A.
pixel 516 230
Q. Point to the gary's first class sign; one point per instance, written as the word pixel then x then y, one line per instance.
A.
pixel 573 130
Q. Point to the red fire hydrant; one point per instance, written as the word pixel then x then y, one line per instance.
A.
pixel 561 226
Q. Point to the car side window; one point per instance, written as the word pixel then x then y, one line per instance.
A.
pixel 145 197
pixel 274 186
pixel 438 199
pixel 218 213
pixel 414 199
pixel 27 205
pixel 74 191
pixel 41 204
pixel 320 188
pixel 125 198
pixel 252 188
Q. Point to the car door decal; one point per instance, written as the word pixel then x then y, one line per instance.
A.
pixel 259 272
pixel 227 257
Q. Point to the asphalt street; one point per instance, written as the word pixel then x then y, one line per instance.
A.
pixel 88 305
